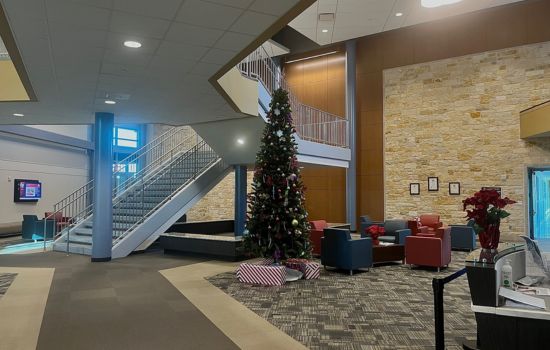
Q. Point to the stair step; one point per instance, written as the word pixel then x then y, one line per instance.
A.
pixel 74 248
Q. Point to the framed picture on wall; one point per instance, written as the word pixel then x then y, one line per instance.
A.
pixel 414 188
pixel 498 189
pixel 454 188
pixel 433 183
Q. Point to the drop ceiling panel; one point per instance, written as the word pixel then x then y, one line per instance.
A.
pixel 277 8
pixel 252 22
pixel 194 35
pixel 356 18
pixel 140 26
pixel 148 7
pixel 178 50
pixel 201 13
pixel 73 53
pixel 77 14
pixel 231 41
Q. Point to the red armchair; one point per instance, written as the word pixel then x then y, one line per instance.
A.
pixel 315 235
pixel 429 249
pixel 60 220
pixel 429 223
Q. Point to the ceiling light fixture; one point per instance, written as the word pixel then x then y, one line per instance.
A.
pixel 18 115
pixel 110 102
pixel 132 44
pixel 315 56
pixel 399 14
pixel 240 141
pixel 437 3
pixel 325 30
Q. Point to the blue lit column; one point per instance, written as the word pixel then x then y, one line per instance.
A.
pixel 240 199
pixel 351 174
pixel 102 237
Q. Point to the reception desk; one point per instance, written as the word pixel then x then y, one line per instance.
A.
pixel 500 326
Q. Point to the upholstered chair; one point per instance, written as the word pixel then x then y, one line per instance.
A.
pixel 429 249
pixel 340 251
pixel 315 234
pixel 463 237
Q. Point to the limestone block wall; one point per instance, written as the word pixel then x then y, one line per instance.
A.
pixel 219 203
pixel 458 119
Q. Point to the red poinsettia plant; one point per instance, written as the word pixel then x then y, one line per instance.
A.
pixel 486 208
pixel 375 231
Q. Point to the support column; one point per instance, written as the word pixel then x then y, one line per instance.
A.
pixel 351 173
pixel 240 199
pixel 102 237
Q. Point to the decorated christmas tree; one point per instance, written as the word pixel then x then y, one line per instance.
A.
pixel 277 225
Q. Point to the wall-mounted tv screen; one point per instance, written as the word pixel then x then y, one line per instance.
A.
pixel 27 190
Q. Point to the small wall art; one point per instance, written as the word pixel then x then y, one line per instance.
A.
pixel 414 188
pixel 454 188
pixel 433 183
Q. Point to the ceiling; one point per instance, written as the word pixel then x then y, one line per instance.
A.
pixel 74 55
pixel 356 18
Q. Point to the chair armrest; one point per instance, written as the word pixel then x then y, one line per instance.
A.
pixel 459 225
pixel 401 235
pixel 426 234
pixel 361 248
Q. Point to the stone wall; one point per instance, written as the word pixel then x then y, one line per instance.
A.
pixel 458 119
pixel 219 203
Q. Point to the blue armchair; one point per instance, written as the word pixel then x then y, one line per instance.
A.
pixel 365 221
pixel 395 231
pixel 340 251
pixel 32 228
pixel 463 237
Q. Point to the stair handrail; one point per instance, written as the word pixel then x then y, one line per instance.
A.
pixel 201 149
pixel 158 155
pixel 261 67
pixel 78 205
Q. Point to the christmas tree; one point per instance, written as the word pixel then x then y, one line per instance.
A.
pixel 277 225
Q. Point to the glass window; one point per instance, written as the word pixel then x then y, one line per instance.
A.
pixel 125 137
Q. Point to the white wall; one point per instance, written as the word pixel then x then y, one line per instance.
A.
pixel 76 131
pixel 60 169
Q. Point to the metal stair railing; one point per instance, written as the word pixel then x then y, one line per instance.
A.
pixel 77 207
pixel 157 155
pixel 133 208
pixel 311 123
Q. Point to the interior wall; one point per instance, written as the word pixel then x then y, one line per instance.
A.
pixel 500 27
pixel 219 203
pixel 60 169
pixel 320 83
pixel 458 119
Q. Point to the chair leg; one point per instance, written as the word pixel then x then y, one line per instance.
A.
pixel 438 269
pixel 351 272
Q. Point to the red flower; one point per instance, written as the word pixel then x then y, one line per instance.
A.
pixel 375 229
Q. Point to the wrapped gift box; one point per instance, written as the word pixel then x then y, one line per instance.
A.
pixel 310 269
pixel 262 273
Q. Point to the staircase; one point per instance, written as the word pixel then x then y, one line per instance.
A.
pixel 312 124
pixel 177 169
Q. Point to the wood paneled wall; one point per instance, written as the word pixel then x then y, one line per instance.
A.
pixel 320 83
pixel 499 27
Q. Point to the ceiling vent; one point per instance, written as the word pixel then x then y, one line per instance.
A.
pixel 326 17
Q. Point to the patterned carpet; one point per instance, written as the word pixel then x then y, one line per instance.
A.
pixel 6 280
pixel 389 307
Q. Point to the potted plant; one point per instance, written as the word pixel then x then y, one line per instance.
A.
pixel 375 231
pixel 486 208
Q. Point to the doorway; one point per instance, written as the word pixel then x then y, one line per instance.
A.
pixel 539 203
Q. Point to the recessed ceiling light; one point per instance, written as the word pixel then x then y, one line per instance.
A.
pixel 437 3
pixel 399 14
pixel 18 115
pixel 110 102
pixel 132 44
pixel 240 141
pixel 325 30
